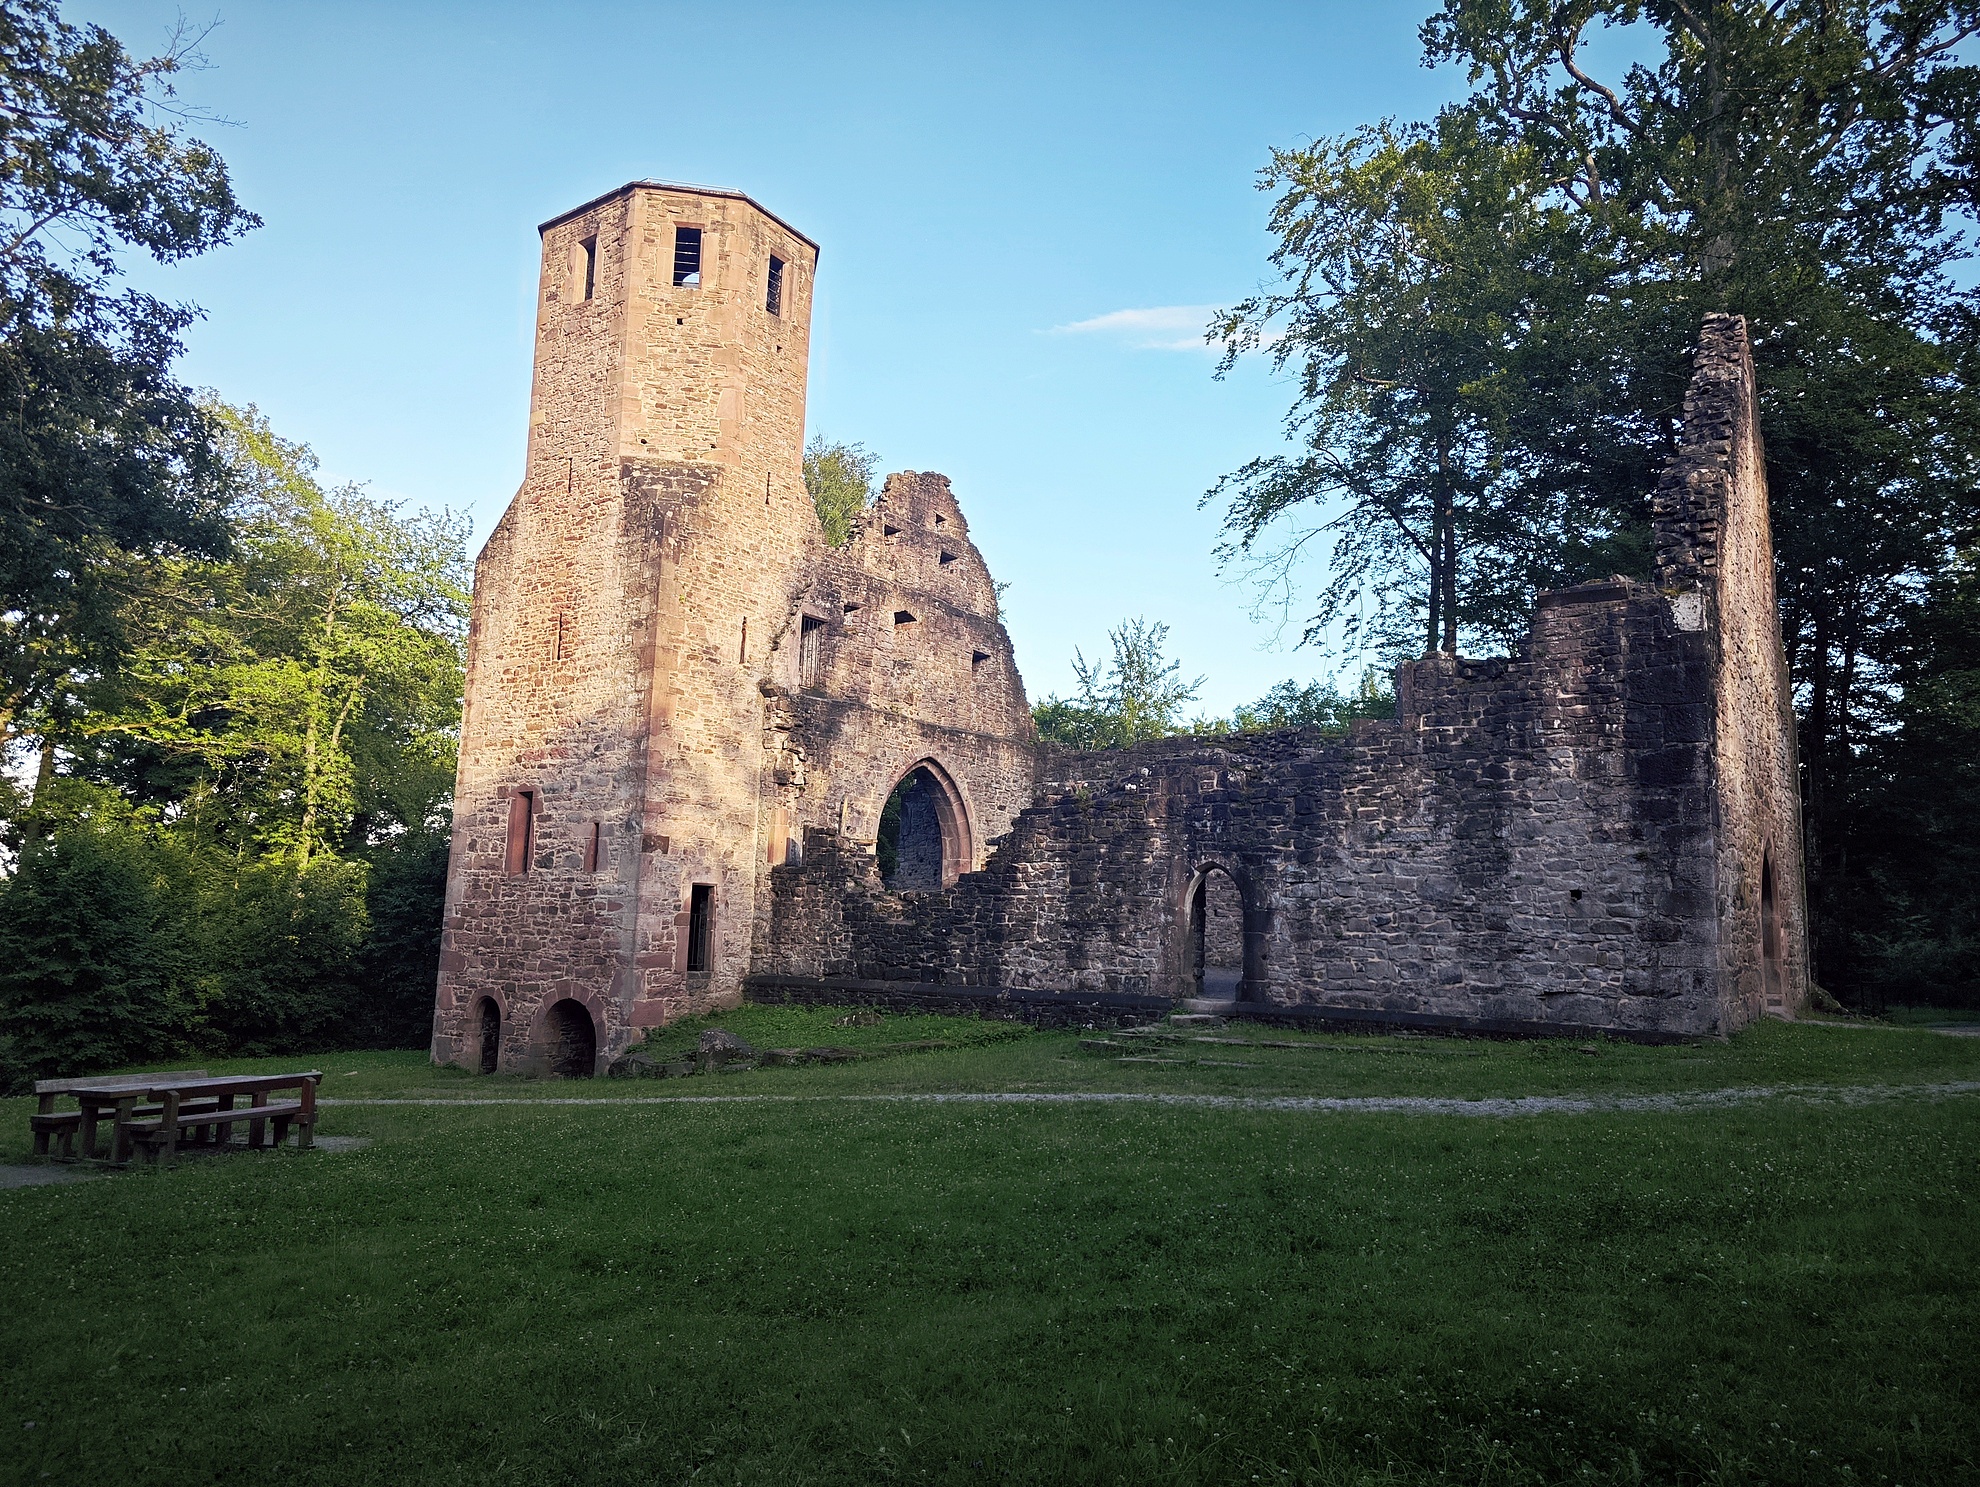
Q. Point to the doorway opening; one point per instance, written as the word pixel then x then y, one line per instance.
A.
pixel 491 1035
pixel 1216 936
pixel 1770 933
pixel 573 1040
pixel 923 842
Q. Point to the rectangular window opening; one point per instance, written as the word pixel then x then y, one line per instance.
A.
pixel 522 831
pixel 587 269
pixel 773 292
pixel 687 257
pixel 902 617
pixel 701 926
pixel 594 842
pixel 810 632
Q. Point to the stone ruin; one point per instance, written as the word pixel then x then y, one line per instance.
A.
pixel 706 756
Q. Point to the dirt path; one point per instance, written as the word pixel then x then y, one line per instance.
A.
pixel 1714 1099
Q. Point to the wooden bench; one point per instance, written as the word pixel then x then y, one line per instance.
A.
pixel 61 1125
pixel 195 1105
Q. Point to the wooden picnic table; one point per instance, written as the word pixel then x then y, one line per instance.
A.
pixel 202 1107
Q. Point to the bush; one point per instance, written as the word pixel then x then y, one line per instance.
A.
pixel 100 953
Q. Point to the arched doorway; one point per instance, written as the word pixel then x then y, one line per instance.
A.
pixel 491 1035
pixel 923 842
pixel 1216 935
pixel 572 1039
pixel 1770 932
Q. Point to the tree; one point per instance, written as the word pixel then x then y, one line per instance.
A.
pixel 1427 287
pixel 1803 162
pixel 106 461
pixel 1138 695
pixel 302 697
pixel 1317 704
pixel 840 480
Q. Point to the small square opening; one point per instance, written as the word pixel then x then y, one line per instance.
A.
pixel 773 292
pixel 948 558
pixel 902 617
pixel 977 658
pixel 687 257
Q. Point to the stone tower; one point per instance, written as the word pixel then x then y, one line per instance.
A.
pixel 608 802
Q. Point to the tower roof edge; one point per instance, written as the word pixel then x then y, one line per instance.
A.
pixel 686 186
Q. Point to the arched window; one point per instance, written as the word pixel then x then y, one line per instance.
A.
pixel 491 1035
pixel 1216 935
pixel 573 1041
pixel 924 840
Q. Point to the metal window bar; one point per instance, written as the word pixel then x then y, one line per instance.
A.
pixel 773 294
pixel 687 257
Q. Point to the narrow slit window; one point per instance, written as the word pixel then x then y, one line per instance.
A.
pixel 687 257
pixel 587 268
pixel 773 289
pixel 701 926
pixel 810 634
pixel 593 842
pixel 522 831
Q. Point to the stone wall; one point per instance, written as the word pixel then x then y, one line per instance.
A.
pixel 1568 839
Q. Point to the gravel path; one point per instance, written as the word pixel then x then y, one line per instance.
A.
pixel 1713 1099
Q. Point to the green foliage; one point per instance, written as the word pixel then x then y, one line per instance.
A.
pixel 106 461
pixel 840 479
pixel 275 753
pixel 1139 694
pixel 302 696
pixel 1319 705
pixel 101 952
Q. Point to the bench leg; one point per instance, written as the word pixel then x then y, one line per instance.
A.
pixel 65 1144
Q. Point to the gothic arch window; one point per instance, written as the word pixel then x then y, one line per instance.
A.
pixel 924 840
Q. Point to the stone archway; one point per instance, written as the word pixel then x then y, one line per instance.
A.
pixel 488 1025
pixel 924 840
pixel 1215 960
pixel 570 1040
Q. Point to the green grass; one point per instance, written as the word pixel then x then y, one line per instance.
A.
pixel 816 1289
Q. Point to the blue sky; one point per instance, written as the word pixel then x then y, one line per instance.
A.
pixel 1026 212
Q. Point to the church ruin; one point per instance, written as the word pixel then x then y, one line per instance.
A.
pixel 706 756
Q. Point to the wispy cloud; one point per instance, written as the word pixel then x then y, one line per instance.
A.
pixel 1158 328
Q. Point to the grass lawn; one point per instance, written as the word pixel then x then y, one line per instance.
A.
pixel 836 1279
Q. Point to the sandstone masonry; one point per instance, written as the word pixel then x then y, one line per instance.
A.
pixel 687 714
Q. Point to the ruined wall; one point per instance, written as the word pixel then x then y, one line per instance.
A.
pixel 1566 839
pixel 1528 844
pixel 1715 557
